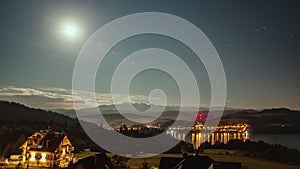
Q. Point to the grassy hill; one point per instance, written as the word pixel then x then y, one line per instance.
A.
pixel 247 163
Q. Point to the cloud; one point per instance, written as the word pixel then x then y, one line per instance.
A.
pixel 60 98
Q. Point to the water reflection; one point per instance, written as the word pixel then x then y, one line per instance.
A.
pixel 198 137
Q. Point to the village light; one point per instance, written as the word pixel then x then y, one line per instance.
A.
pixel 32 158
pixel 43 159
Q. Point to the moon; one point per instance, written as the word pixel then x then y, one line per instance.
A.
pixel 70 30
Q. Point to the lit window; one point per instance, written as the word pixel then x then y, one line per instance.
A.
pixel 43 159
pixel 32 158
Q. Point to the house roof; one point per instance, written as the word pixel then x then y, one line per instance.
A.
pixel 98 161
pixel 191 162
pixel 197 162
pixel 227 165
pixel 50 142
pixel 169 162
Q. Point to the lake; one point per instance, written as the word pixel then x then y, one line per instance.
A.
pixel 290 141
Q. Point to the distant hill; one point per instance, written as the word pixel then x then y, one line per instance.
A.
pixel 269 121
pixel 111 109
pixel 115 119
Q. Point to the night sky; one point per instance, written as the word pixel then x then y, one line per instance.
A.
pixel 257 41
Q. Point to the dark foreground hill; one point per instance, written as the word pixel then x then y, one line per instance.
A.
pixel 18 122
pixel 12 112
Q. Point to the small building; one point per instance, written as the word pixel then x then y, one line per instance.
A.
pixel 98 161
pixel 195 162
pixel 47 149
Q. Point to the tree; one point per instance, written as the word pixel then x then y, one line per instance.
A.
pixel 120 162
pixel 7 151
pixel 145 165
pixel 16 146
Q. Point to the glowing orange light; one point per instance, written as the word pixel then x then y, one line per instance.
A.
pixel 32 158
pixel 43 159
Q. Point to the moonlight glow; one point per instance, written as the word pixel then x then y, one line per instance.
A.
pixel 70 30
